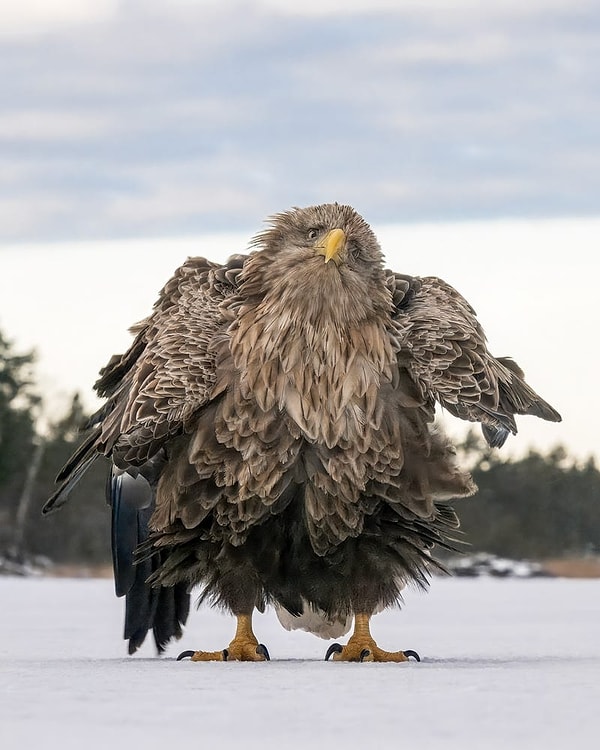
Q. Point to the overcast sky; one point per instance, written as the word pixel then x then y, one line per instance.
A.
pixel 123 118
pixel 129 129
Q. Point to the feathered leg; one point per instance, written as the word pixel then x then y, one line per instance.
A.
pixel 362 647
pixel 243 647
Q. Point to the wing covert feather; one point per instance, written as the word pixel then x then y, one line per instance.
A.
pixel 443 346
pixel 169 371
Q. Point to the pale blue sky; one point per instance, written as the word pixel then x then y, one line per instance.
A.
pixel 168 117
pixel 129 129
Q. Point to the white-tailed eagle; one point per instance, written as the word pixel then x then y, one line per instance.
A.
pixel 271 432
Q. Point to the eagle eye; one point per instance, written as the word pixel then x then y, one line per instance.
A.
pixel 313 233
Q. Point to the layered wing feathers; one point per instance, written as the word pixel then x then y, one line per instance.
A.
pixel 166 375
pixel 174 374
pixel 443 346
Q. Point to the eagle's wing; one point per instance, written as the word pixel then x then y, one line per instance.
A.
pixel 151 391
pixel 443 347
pixel 167 374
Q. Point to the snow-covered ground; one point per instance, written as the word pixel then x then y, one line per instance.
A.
pixel 506 664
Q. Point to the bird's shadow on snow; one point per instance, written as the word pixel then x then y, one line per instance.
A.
pixel 454 662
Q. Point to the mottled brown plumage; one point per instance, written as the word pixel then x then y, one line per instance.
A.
pixel 281 409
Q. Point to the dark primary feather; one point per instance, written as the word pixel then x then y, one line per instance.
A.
pixel 280 408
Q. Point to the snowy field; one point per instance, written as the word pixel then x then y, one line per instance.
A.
pixel 506 664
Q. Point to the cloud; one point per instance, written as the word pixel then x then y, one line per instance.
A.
pixel 46 16
pixel 47 125
pixel 186 116
pixel 454 9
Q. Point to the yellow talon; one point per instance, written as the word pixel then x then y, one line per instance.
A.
pixel 243 647
pixel 362 647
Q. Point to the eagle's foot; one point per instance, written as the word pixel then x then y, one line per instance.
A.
pixel 244 647
pixel 236 651
pixel 362 647
pixel 250 650
pixel 367 651
pixel 203 655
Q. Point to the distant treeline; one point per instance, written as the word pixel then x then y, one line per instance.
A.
pixel 29 462
pixel 537 507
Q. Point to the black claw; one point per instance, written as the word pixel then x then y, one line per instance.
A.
pixel 414 655
pixel 185 655
pixel 261 650
pixel 335 648
pixel 364 653
pixel 225 654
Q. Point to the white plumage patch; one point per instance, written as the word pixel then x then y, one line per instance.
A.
pixel 314 621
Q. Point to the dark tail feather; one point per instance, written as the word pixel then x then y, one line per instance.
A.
pixel 171 614
pixel 141 602
pixel 162 610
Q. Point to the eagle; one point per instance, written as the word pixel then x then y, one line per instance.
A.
pixel 272 436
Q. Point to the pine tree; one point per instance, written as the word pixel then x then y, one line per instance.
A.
pixel 18 411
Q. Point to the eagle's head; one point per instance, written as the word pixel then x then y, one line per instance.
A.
pixel 320 263
pixel 309 332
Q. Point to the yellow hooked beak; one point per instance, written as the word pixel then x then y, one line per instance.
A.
pixel 331 245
